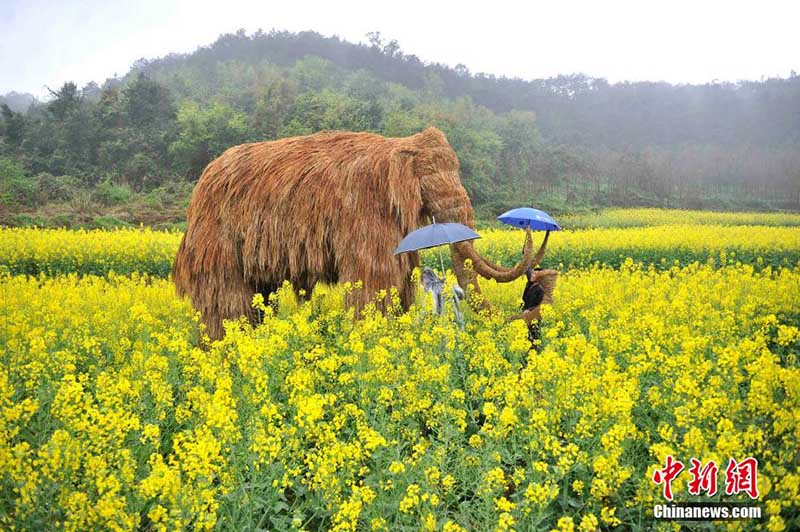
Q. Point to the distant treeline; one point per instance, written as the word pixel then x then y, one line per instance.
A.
pixel 570 142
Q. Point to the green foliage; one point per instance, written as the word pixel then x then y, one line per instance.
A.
pixel 205 133
pixel 330 110
pixel 67 100
pixel 13 125
pixel 108 222
pixel 147 103
pixel 272 108
pixel 314 73
pixel 27 220
pixel 50 188
pixel 108 193
pixel 15 186
pixel 140 169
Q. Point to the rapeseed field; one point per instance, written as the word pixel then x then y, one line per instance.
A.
pixel 115 415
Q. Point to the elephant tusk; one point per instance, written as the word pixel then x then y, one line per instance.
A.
pixel 488 270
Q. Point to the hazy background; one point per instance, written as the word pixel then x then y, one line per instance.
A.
pixel 110 111
pixel 45 42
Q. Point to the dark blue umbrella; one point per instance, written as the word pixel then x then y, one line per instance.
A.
pixel 527 217
pixel 435 235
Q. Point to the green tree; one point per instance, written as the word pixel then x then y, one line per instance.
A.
pixel 273 106
pixel 521 143
pixel 13 126
pixel 148 103
pixel 204 134
pixel 317 111
pixel 65 100
pixel 314 73
pixel 15 186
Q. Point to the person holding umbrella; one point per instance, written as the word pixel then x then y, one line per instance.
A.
pixel 541 283
pixel 538 290
pixel 435 235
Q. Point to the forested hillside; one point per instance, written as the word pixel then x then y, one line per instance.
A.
pixel 129 150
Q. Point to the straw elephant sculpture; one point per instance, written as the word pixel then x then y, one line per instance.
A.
pixel 328 207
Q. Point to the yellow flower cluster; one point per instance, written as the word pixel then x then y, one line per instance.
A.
pixel 662 245
pixel 55 251
pixel 652 217
pixel 113 415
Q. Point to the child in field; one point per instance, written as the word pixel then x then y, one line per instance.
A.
pixel 433 284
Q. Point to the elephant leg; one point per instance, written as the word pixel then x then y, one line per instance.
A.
pixel 303 287
pixel 208 268
pixel 374 278
pixel 221 295
pixel 358 298
pixel 302 293
pixel 266 290
pixel 371 260
pixel 407 292
pixel 227 297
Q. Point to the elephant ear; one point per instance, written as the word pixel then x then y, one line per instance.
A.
pixel 404 189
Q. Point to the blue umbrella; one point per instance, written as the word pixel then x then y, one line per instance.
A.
pixel 435 235
pixel 527 217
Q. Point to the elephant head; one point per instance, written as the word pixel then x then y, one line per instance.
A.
pixel 442 197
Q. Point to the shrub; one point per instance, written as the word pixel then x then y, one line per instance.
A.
pixel 108 193
pixel 55 188
pixel 15 186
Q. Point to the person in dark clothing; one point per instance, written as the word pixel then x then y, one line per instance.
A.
pixel 538 290
pixel 532 297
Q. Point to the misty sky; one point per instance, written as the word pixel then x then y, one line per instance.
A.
pixel 47 42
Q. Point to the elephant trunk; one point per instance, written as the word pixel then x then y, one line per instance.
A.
pixel 509 274
pixel 489 270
